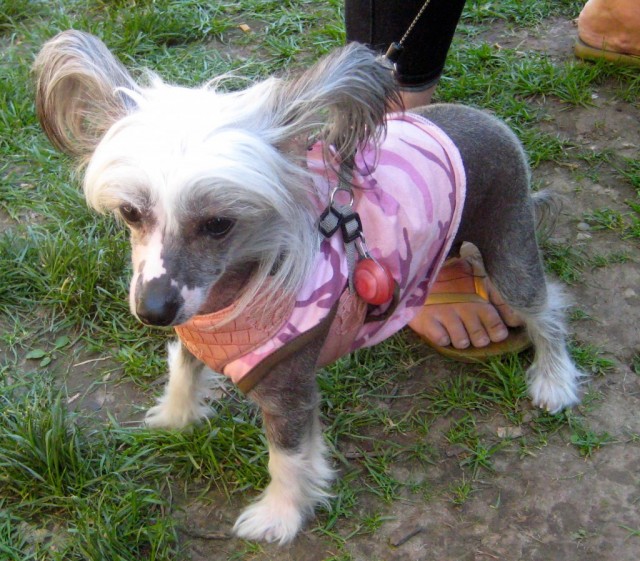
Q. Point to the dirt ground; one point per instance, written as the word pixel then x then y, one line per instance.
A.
pixel 548 505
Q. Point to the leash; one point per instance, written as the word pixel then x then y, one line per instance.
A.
pixel 395 49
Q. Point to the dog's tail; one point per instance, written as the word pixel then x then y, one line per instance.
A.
pixel 547 208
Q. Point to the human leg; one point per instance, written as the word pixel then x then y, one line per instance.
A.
pixel 378 23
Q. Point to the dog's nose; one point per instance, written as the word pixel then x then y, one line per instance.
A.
pixel 157 302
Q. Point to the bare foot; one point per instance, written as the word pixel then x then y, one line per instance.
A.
pixel 465 324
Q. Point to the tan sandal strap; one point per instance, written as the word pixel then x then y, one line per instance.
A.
pixel 481 287
pixel 454 298
pixel 583 50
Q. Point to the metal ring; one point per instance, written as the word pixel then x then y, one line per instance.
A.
pixel 340 188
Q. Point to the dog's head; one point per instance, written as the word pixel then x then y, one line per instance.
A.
pixel 211 184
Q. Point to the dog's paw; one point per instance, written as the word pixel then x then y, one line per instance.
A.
pixel 553 394
pixel 169 415
pixel 270 519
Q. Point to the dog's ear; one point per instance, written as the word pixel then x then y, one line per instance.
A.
pixel 347 93
pixel 79 91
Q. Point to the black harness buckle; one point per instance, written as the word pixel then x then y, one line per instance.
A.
pixel 344 219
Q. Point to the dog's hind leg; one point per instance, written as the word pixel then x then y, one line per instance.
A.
pixel 299 470
pixel 499 219
pixel 182 402
pixel 513 263
pixel 553 377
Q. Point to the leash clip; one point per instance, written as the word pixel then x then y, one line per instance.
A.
pixel 341 217
pixel 368 278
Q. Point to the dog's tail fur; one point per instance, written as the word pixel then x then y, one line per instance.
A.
pixel 547 207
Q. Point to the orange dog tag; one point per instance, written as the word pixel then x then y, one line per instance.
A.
pixel 373 282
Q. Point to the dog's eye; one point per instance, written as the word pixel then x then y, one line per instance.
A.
pixel 218 226
pixel 130 214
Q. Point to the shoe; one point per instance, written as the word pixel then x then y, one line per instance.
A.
pixel 518 339
pixel 609 30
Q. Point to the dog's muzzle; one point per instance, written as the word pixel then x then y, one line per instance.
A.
pixel 157 301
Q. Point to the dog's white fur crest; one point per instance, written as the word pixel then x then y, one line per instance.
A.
pixel 169 150
pixel 159 146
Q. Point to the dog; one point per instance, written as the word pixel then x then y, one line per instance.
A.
pixel 223 192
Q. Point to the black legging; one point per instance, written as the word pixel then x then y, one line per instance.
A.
pixel 378 23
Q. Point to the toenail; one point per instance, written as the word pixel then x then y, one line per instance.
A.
pixel 444 342
pixel 463 344
pixel 483 342
pixel 501 334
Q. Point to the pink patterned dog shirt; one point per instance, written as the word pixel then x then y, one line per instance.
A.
pixel 409 192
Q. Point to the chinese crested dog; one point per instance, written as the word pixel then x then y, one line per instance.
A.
pixel 248 213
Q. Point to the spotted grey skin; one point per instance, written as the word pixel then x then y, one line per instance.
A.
pixel 174 272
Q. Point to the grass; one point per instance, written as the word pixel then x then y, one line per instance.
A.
pixel 460 491
pixel 480 457
pixel 73 487
pixel 632 532
pixel 586 440
pixel 590 360
pixel 626 225
pixel 52 467
pixel 565 261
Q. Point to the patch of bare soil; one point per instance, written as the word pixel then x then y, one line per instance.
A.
pixel 546 503
pixel 105 393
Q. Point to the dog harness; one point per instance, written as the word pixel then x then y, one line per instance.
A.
pixel 409 193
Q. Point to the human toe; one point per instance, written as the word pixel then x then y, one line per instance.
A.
pixel 458 333
pixel 434 331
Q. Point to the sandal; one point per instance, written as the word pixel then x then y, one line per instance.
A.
pixel 517 341
pixel 587 52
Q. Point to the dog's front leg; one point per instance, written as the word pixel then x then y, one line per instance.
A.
pixel 299 470
pixel 183 400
